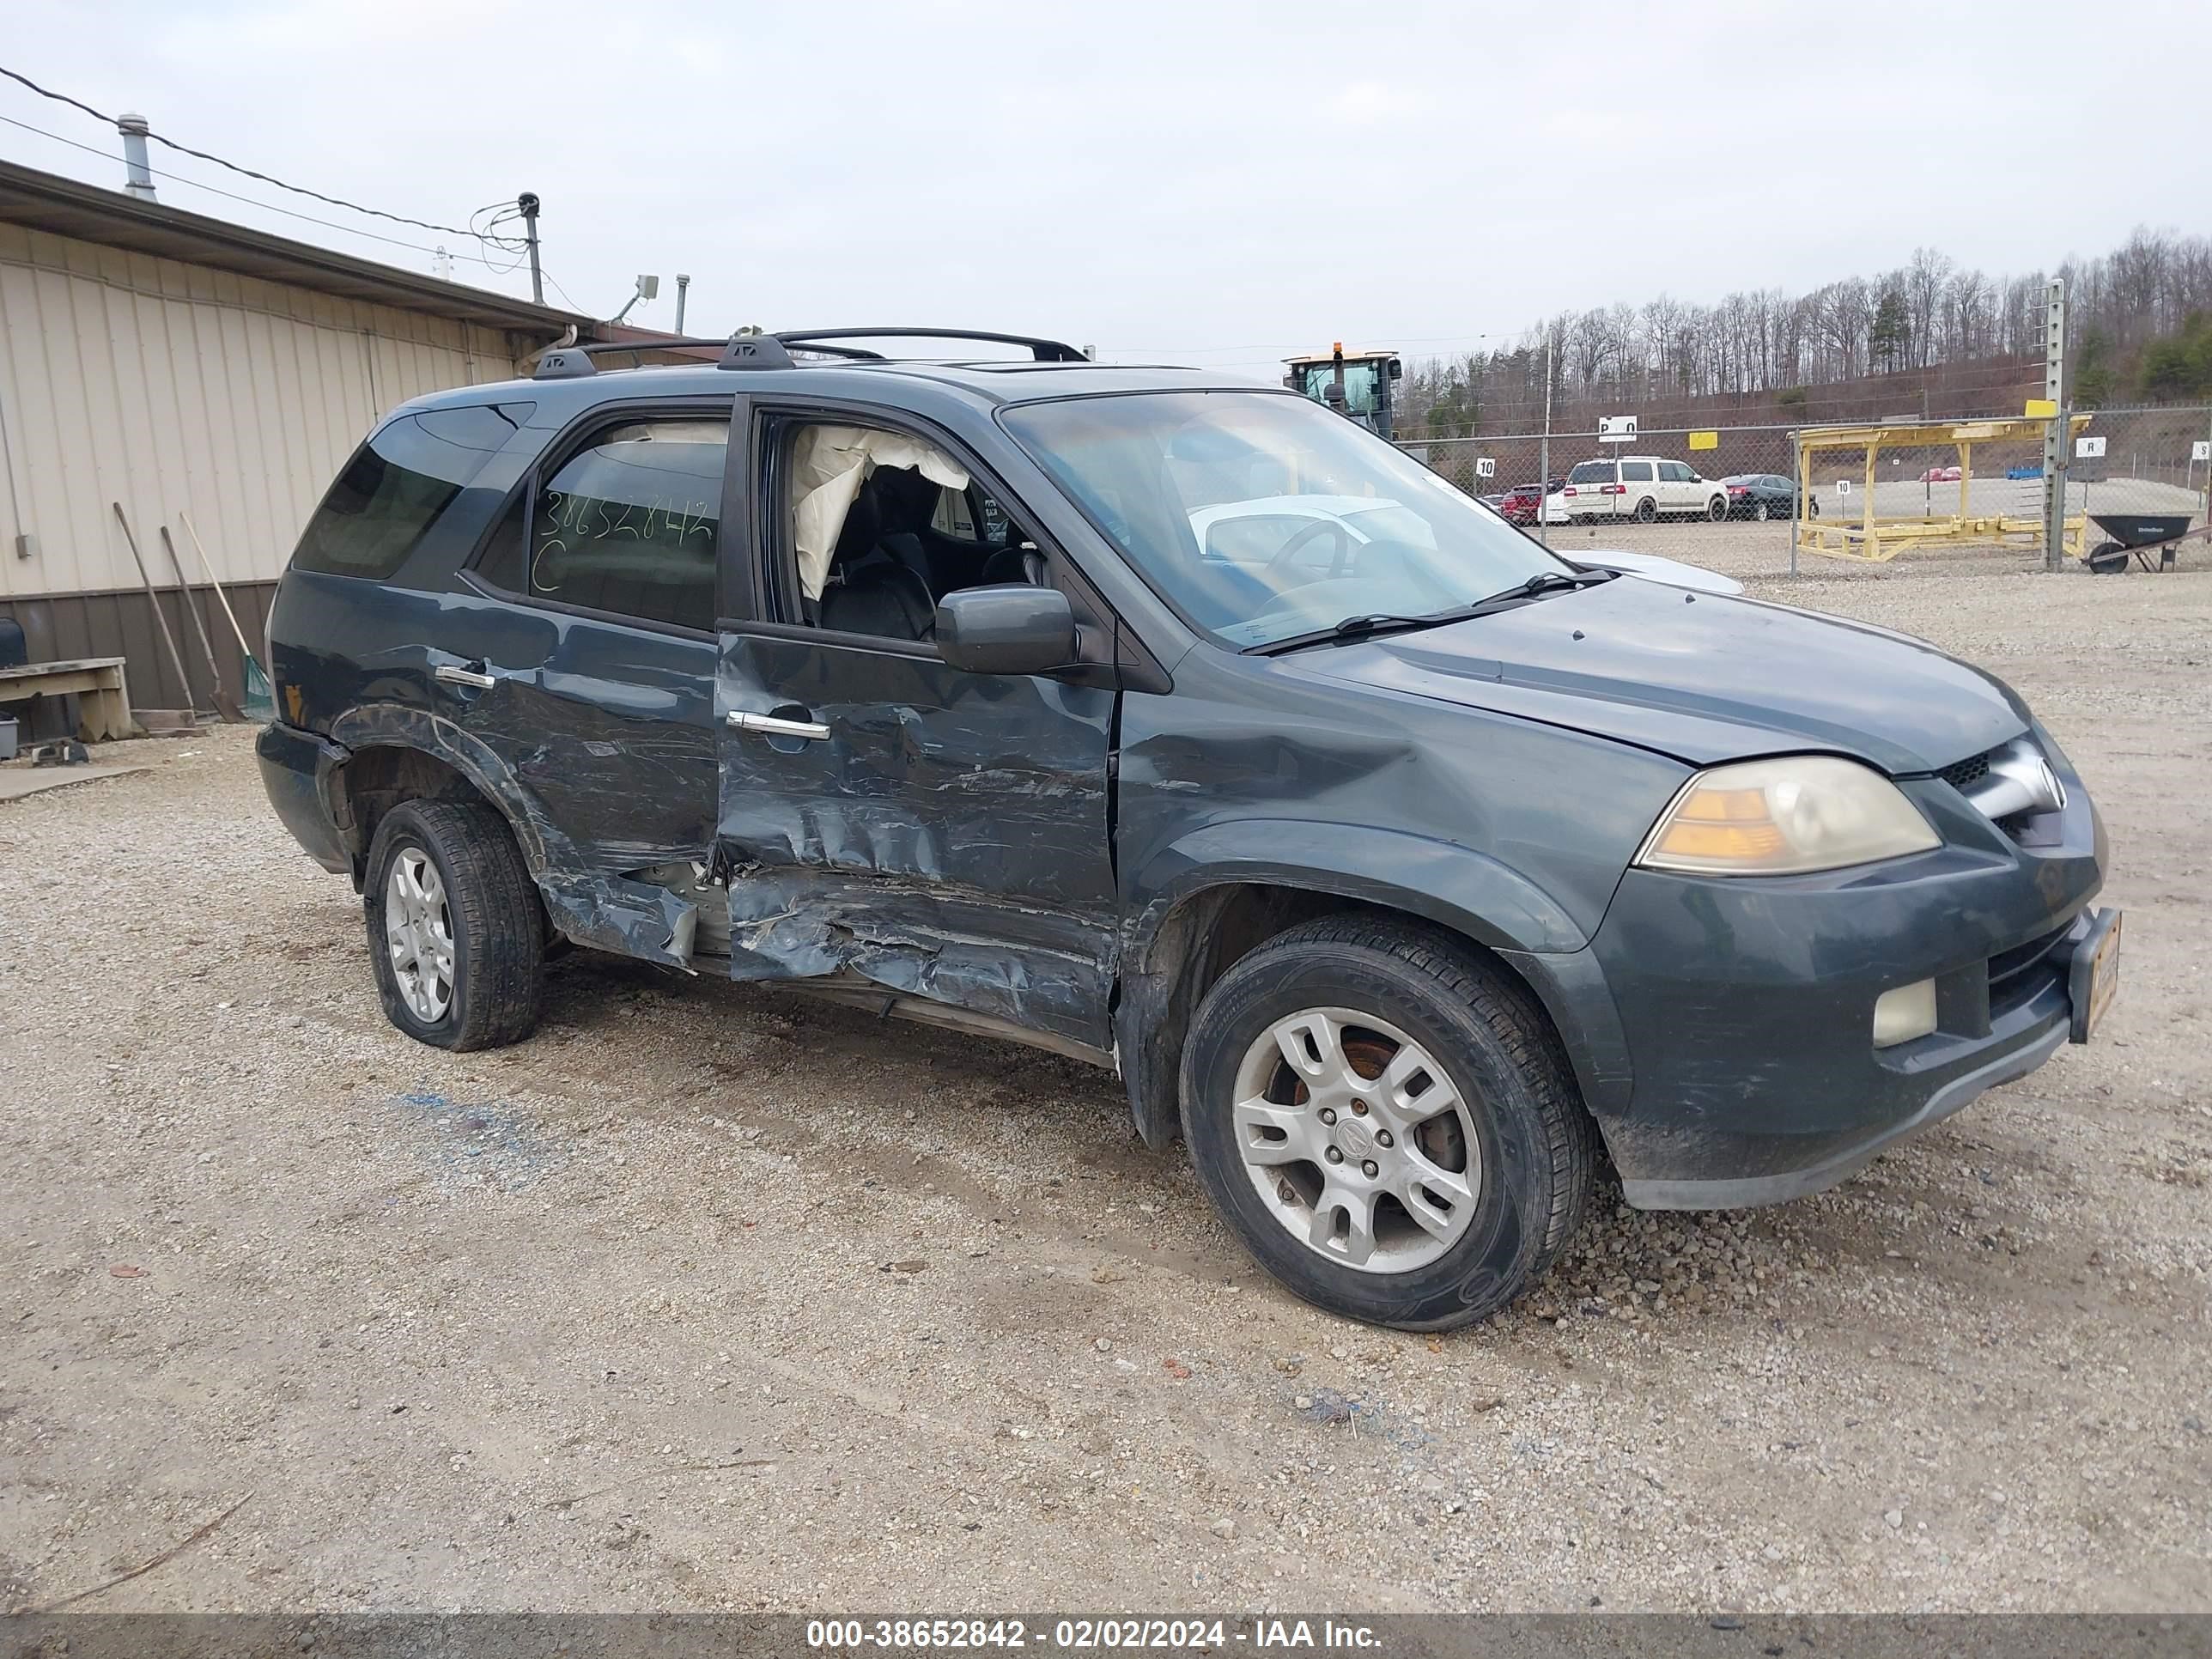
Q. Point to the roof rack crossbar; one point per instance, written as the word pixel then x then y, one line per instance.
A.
pixel 1043 351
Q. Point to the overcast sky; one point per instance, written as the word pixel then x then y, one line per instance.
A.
pixel 1212 184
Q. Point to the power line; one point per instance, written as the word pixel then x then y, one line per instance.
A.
pixel 186 149
pixel 266 207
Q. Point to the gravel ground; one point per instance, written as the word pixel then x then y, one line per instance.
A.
pixel 710 1296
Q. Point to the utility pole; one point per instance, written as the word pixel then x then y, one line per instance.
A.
pixel 528 202
pixel 1544 450
pixel 2054 441
pixel 683 284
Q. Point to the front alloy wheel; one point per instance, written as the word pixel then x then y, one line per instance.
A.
pixel 1385 1117
pixel 1356 1140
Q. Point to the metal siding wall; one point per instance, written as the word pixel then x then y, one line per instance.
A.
pixel 119 625
pixel 166 386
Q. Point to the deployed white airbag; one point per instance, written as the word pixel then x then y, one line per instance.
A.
pixel 829 464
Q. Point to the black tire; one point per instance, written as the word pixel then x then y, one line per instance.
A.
pixel 1647 510
pixel 495 918
pixel 1717 509
pixel 1536 1140
pixel 1761 511
pixel 1813 508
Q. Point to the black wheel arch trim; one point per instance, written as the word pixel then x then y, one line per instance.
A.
pixel 1449 886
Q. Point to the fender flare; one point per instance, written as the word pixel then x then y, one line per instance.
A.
pixel 396 725
pixel 1443 882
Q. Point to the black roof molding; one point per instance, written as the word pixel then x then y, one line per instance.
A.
pixel 1043 351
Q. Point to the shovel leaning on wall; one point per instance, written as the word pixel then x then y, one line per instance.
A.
pixel 260 700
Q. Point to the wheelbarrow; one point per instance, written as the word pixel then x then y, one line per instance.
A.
pixel 2137 535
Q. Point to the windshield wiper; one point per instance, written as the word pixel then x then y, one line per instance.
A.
pixel 1380 622
pixel 1553 582
pixel 1358 627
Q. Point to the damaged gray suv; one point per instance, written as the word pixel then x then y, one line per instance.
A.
pixel 1394 864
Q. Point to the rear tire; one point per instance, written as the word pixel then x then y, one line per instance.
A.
pixel 1717 509
pixel 1647 510
pixel 1398 1028
pixel 1761 511
pixel 456 932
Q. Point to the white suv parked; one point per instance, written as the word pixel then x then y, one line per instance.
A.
pixel 1644 487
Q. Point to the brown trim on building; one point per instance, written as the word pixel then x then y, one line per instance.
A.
pixel 119 623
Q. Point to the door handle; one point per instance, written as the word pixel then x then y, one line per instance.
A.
pixel 774 726
pixel 453 676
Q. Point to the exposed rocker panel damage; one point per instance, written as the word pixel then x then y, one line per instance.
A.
pixel 605 911
pixel 799 925
pixel 612 913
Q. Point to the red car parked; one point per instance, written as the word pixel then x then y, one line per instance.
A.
pixel 1520 504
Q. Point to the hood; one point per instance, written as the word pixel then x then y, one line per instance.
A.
pixel 1705 677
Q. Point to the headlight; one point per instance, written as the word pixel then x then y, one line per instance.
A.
pixel 1776 817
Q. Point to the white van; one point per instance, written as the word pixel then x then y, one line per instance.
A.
pixel 1642 487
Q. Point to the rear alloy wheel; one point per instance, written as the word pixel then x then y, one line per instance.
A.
pixel 1716 509
pixel 1646 510
pixel 1761 511
pixel 456 932
pixel 1386 1121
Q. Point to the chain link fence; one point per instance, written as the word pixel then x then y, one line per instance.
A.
pixel 1731 499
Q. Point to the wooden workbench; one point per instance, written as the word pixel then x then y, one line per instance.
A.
pixel 103 699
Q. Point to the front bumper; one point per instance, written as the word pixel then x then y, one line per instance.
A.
pixel 1746 1006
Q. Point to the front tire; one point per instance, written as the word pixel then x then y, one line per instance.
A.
pixel 1386 1121
pixel 456 932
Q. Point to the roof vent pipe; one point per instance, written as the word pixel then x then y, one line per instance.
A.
pixel 138 176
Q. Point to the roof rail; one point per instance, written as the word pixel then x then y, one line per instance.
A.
pixel 1043 351
pixel 570 363
pixel 769 350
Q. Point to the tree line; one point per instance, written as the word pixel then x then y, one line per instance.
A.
pixel 2139 318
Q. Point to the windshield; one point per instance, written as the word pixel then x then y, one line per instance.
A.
pixel 1262 516
pixel 1359 383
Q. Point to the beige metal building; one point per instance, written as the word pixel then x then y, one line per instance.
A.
pixel 184 367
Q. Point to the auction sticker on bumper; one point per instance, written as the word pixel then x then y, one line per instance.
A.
pixel 2096 977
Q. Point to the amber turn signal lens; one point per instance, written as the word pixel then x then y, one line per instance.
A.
pixel 1786 817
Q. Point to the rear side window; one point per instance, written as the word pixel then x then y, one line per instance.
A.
pixel 629 524
pixel 1636 472
pixel 396 486
pixel 1590 472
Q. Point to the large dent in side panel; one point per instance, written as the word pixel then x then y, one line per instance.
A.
pixel 948 840
pixel 600 910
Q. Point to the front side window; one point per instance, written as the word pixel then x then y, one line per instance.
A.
pixel 627 523
pixel 1262 517
pixel 397 485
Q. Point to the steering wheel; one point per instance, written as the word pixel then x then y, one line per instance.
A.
pixel 1318 527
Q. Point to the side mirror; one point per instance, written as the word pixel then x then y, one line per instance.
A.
pixel 1006 631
